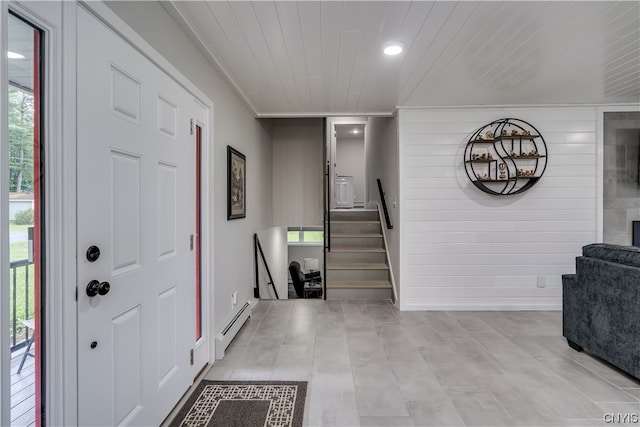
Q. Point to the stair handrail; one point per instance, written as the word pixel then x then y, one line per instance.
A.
pixel 257 248
pixel 386 250
pixel 327 210
pixel 384 205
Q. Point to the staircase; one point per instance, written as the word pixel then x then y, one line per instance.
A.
pixel 357 265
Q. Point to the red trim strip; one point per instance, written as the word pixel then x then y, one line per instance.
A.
pixel 198 239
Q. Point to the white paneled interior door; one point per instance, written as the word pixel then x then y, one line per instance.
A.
pixel 136 203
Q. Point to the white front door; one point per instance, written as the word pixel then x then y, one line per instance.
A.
pixel 136 205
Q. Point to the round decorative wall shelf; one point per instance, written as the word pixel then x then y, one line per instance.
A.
pixel 507 156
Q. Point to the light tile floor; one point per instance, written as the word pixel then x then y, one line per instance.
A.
pixel 369 364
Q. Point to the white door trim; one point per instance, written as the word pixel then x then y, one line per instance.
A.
pixel 66 409
pixel 48 17
pixel 206 231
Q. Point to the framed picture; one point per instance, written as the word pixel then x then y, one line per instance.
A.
pixel 236 184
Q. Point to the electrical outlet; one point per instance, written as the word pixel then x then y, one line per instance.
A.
pixel 542 282
pixel 234 298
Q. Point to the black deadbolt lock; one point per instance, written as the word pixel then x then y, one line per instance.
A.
pixel 94 288
pixel 93 253
pixel 94 344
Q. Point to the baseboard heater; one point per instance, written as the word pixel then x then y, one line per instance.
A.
pixel 224 338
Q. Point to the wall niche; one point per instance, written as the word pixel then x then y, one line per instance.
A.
pixel 621 176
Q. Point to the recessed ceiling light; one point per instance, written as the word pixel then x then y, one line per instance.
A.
pixel 13 55
pixel 355 131
pixel 393 48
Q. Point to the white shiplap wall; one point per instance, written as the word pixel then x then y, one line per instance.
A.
pixel 467 250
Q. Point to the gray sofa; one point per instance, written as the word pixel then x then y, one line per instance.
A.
pixel 601 305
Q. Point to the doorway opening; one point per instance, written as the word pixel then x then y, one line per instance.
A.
pixel 349 166
pixel 346 162
pixel 26 220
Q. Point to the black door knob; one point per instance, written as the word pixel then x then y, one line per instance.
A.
pixel 93 253
pixel 103 288
pixel 94 288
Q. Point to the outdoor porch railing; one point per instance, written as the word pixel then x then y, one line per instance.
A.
pixel 16 284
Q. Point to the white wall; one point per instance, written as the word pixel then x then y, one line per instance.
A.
pixel 274 245
pixel 382 162
pixel 300 252
pixel 464 249
pixel 297 172
pixel 350 159
pixel 233 125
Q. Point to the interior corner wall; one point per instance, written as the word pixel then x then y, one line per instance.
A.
pixel 382 162
pixel 274 246
pixel 234 125
pixel 463 249
pixel 297 172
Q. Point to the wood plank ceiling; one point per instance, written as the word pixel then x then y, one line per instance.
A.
pixel 325 58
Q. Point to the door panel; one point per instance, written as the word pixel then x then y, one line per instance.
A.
pixel 125 208
pixel 136 199
pixel 167 209
pixel 126 352
pixel 167 335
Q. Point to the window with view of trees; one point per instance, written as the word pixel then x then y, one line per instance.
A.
pixel 20 140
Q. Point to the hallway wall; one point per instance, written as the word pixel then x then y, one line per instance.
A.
pixel 297 172
pixel 382 162
pixel 274 246
pixel 233 125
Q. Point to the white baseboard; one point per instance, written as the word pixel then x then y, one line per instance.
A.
pixel 481 307
pixel 231 328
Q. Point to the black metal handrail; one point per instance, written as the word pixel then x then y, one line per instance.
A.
pixel 327 210
pixel 15 265
pixel 384 205
pixel 257 248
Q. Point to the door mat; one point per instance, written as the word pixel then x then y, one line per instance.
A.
pixel 244 404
